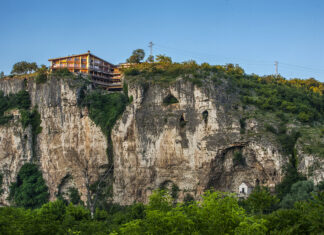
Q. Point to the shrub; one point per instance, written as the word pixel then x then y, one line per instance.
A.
pixel 29 190
pixel 238 158
pixel 170 99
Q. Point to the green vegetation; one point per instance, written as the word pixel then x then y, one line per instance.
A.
pixel 302 99
pixel 41 74
pixel 170 99
pixel 217 213
pixel 24 67
pixel 33 119
pixel 260 201
pixel 163 59
pixel 242 125
pixel 279 95
pixel 20 101
pixel 299 191
pixel 29 190
pixel 104 110
pixel 137 56
pixel 238 159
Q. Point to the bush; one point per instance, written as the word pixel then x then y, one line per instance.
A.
pixel 29 190
pixel 299 191
pixel 20 101
pixel 238 159
pixel 170 99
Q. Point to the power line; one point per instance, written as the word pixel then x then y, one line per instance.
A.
pixel 255 62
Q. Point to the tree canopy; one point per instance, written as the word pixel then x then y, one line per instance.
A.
pixel 163 59
pixel 24 67
pixel 29 190
pixel 137 56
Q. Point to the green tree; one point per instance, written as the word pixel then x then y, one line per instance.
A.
pixel 299 191
pixel 261 201
pixel 29 190
pixel 41 75
pixel 1 74
pixel 137 56
pixel 150 59
pixel 24 67
pixel 163 59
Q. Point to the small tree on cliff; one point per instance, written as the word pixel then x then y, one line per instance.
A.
pixel 24 67
pixel 163 59
pixel 137 56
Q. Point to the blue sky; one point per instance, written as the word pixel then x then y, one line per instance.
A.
pixel 251 33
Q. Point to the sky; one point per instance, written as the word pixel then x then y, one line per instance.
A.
pixel 251 33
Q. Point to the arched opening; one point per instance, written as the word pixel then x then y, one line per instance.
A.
pixel 182 121
pixel 205 116
pixel 170 99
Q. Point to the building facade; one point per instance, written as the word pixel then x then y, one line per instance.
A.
pixel 102 73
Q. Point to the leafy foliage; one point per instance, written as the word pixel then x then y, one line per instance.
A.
pixel 163 59
pixel 105 108
pixel 20 100
pixel 41 74
pixel 24 67
pixel 29 190
pixel 217 213
pixel 64 72
pixel 303 218
pixel 300 191
pixel 170 99
pixel 260 201
pixel 301 98
pixel 137 56
pixel 238 159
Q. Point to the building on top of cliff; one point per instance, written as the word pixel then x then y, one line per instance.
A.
pixel 244 190
pixel 102 73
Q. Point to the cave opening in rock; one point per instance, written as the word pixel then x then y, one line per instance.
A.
pixel 170 99
pixel 205 116
pixel 182 121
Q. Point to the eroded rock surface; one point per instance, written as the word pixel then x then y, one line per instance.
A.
pixel 191 144
pixel 69 144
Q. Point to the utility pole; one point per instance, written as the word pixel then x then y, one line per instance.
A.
pixel 276 66
pixel 151 48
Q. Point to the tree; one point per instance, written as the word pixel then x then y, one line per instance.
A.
pixel 150 59
pixel 41 76
pixel 163 59
pixel 2 74
pixel 24 67
pixel 137 56
pixel 29 190
pixel 261 201
pixel 299 191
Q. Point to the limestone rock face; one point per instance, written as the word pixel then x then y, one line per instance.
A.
pixel 191 144
pixel 15 150
pixel 69 144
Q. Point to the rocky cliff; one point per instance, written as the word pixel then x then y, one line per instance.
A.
pixel 189 146
pixel 69 146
